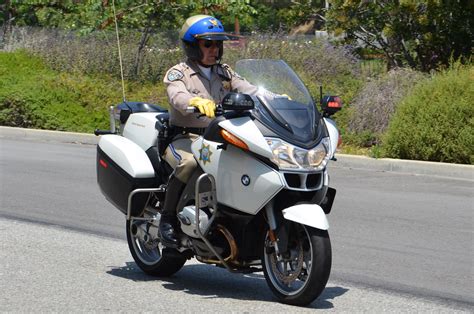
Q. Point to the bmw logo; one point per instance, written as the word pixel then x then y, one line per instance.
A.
pixel 245 180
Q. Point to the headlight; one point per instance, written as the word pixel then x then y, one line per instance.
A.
pixel 291 157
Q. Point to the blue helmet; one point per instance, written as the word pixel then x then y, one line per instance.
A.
pixel 202 27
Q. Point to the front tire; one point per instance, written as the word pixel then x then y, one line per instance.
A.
pixel 148 252
pixel 300 275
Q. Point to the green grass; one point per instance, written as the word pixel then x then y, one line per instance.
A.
pixel 34 96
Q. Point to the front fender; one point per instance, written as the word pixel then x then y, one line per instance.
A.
pixel 307 214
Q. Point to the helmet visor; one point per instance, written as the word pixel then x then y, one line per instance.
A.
pixel 218 36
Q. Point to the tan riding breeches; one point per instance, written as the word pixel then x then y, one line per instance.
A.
pixel 178 155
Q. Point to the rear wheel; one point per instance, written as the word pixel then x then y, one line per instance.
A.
pixel 147 251
pixel 299 275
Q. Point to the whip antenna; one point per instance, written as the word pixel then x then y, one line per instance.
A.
pixel 119 51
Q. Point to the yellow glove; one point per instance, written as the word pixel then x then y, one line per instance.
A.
pixel 205 106
pixel 285 95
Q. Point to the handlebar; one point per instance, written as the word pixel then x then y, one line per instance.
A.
pixel 191 109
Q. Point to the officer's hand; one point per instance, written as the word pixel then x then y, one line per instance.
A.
pixel 286 96
pixel 205 106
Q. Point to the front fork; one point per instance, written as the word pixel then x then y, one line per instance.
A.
pixel 272 224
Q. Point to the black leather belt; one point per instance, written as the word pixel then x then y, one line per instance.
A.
pixel 183 130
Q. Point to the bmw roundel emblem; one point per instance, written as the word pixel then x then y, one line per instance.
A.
pixel 245 180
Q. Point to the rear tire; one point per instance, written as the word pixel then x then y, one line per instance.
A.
pixel 151 256
pixel 294 280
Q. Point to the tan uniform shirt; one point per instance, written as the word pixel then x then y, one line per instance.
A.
pixel 185 81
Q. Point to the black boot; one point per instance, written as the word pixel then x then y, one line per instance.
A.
pixel 168 221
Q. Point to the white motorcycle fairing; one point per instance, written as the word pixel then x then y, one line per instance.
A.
pixel 307 214
pixel 245 129
pixel 230 169
pixel 333 135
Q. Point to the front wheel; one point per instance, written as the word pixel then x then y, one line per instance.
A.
pixel 147 251
pixel 298 275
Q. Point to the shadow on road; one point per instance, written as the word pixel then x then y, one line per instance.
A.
pixel 212 282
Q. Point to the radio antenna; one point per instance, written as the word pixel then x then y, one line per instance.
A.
pixel 320 94
pixel 119 52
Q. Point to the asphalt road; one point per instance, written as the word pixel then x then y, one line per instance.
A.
pixel 399 240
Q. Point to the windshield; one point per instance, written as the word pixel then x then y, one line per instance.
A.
pixel 283 103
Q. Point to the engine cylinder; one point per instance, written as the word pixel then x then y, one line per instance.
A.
pixel 187 217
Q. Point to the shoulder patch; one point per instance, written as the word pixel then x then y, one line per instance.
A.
pixel 174 75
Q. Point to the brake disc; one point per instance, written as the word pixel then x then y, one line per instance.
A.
pixel 295 266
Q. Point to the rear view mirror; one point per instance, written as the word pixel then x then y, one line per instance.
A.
pixel 330 105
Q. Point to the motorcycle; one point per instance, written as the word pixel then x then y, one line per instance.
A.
pixel 259 197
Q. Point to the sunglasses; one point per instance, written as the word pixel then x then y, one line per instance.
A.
pixel 210 43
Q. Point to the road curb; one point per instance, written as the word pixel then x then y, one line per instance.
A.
pixel 457 171
pixel 48 136
pixel 417 167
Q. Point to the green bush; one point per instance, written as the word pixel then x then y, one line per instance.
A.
pixel 436 121
pixel 34 96
pixel 375 104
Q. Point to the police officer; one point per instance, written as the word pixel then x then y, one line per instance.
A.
pixel 201 82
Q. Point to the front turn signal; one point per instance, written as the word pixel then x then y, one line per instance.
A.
pixel 234 140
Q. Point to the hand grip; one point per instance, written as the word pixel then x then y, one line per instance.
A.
pixel 98 132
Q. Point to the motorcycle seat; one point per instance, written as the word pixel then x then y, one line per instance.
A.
pixel 125 109
pixel 136 106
